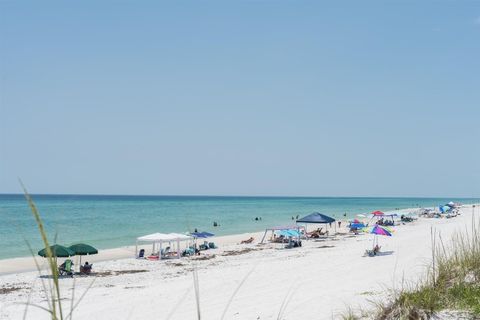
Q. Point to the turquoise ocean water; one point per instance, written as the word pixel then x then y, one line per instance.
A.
pixel 114 221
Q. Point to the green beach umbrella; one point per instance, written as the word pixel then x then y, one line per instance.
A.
pixel 57 251
pixel 82 249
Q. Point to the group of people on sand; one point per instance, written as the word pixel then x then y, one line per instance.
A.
pixel 66 268
pixel 316 233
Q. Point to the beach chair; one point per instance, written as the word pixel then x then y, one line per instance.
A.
pixel 66 268
pixel 141 254
pixel 204 246
pixel 372 253
pixel 166 253
pixel 190 251
pixel 369 253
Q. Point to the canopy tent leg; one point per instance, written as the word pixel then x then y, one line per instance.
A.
pixel 264 235
pixel 136 248
pixel 178 249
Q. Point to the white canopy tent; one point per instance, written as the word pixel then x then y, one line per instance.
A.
pixel 160 238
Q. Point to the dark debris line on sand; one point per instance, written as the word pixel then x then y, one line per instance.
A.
pixel 116 273
pixel 7 290
pixel 238 252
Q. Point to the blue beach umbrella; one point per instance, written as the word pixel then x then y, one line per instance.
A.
pixel 357 225
pixel 202 234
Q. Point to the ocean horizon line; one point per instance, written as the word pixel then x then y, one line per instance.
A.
pixel 237 196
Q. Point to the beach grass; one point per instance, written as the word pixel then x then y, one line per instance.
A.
pixel 451 282
pixel 54 296
pixel 52 290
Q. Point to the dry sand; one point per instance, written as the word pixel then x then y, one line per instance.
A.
pixel 317 281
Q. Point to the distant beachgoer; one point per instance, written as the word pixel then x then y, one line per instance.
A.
pixel 260 218
pixel 196 230
pixel 297 216
pixel 256 218
pixel 249 240
pixel 330 224
pixel 339 223
pixel 215 224
pixel 293 218
pixel 345 214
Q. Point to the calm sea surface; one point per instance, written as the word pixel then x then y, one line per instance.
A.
pixel 113 221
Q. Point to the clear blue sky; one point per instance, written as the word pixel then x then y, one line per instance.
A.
pixel 354 98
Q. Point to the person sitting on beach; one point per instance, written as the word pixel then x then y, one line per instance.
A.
pixel 376 249
pixel 315 231
pixel 86 268
pixel 314 234
pixel 250 240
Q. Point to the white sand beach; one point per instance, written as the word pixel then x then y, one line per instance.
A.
pixel 320 280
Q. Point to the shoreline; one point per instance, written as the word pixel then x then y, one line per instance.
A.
pixel 139 217
pixel 27 264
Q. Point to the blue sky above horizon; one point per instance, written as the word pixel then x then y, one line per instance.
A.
pixel 349 98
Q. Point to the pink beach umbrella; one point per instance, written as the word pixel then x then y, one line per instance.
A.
pixel 378 231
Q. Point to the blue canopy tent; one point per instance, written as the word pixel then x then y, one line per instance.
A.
pixel 317 217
